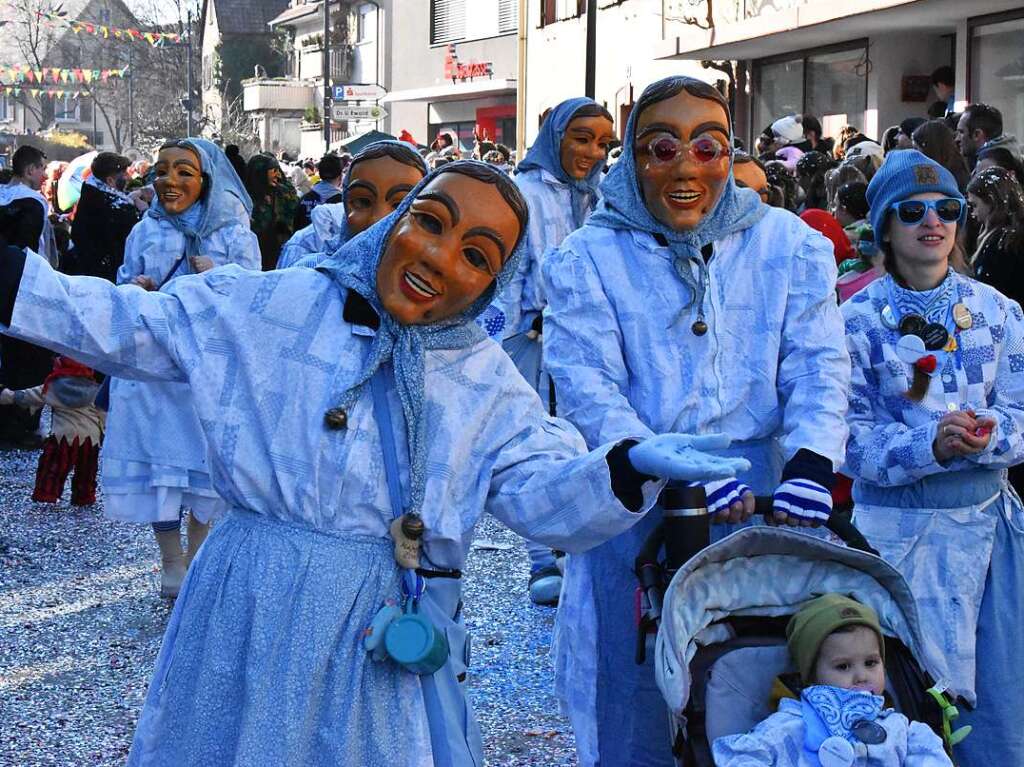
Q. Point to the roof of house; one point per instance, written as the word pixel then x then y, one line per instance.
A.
pixel 244 17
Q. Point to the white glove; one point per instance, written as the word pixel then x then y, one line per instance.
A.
pixel 681 456
pixel 802 502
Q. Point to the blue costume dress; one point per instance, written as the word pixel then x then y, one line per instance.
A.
pixel 262 663
pixel 154 457
pixel 329 228
pixel 771 372
pixel 955 530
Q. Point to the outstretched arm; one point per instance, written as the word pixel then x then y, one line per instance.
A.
pixel 120 330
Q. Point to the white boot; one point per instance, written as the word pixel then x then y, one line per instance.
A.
pixel 196 535
pixel 172 563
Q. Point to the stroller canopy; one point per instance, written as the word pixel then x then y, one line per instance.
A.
pixel 769 571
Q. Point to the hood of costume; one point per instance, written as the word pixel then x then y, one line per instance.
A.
pixel 354 268
pixel 546 153
pixel 826 223
pixel 223 202
pixel 622 207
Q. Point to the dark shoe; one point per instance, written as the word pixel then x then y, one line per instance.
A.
pixel 545 586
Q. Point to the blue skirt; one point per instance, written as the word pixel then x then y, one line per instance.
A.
pixel 262 662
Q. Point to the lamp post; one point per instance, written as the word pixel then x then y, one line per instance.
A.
pixel 327 76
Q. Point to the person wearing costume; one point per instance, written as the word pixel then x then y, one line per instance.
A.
pixel 76 431
pixel 24 223
pixel 559 177
pixel 104 218
pixel 274 202
pixel 325 191
pixel 375 183
pixel 936 417
pixel 684 304
pixel 155 456
pixel 340 402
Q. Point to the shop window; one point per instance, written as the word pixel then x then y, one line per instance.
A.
pixel 830 83
pixel 996 67
pixel 447 21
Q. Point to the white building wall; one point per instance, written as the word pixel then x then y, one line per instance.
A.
pixel 892 57
pixel 628 36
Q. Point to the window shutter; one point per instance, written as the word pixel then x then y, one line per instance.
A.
pixel 508 16
pixel 447 21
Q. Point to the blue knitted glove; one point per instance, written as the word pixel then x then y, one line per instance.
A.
pixel 802 501
pixel 724 493
pixel 681 456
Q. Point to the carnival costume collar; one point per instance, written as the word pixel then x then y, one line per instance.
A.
pixel 622 207
pixel 354 268
pixel 546 154
pixel 224 202
pixel 120 199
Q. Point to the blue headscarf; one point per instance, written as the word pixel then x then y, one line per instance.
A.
pixel 546 154
pixel 225 201
pixel 339 239
pixel 354 267
pixel 622 207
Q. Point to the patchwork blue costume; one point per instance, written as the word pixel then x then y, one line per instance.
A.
pixel 262 661
pixel 771 372
pixel 154 457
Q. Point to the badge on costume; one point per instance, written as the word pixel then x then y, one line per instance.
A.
pixel 836 752
pixel 889 318
pixel 962 317
pixel 910 349
pixel 407 532
pixel 935 336
pixel 912 325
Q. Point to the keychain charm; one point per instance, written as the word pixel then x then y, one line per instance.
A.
pixel 407 531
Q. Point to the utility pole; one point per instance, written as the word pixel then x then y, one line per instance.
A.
pixel 327 76
pixel 131 98
pixel 590 88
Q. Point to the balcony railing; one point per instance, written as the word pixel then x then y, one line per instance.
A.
pixel 277 94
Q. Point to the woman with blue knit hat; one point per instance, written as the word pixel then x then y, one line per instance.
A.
pixel 936 417
pixel 684 303
pixel 376 181
pixel 360 422
pixel 154 455
pixel 559 177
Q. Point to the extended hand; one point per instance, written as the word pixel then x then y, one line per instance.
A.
pixel 729 500
pixel 201 264
pixel 681 456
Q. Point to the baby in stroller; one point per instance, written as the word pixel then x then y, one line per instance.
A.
pixel 841 716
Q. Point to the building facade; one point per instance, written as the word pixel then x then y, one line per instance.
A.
pixel 454 68
pixel 865 63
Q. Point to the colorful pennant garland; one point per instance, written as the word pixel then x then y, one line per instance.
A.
pixel 107 32
pixel 61 75
pixel 9 89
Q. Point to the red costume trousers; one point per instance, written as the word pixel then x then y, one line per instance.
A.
pixel 57 461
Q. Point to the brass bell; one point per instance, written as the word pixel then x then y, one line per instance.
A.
pixel 336 418
pixel 699 328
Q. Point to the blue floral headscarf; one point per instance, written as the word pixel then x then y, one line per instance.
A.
pixel 225 202
pixel 354 267
pixel 546 154
pixel 622 205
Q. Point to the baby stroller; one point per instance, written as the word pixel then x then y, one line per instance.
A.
pixel 721 641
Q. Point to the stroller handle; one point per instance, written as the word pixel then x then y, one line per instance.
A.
pixel 840 523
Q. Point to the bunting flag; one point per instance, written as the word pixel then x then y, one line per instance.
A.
pixel 13 89
pixel 58 75
pixel 128 35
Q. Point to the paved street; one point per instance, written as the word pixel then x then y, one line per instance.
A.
pixel 81 623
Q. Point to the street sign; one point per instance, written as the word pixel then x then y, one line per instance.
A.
pixel 341 112
pixel 358 92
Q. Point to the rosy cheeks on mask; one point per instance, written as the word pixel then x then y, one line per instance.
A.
pixel 376 188
pixel 178 180
pixel 681 191
pixel 446 251
pixel 585 145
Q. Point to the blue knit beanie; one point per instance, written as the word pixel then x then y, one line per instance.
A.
pixel 904 173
